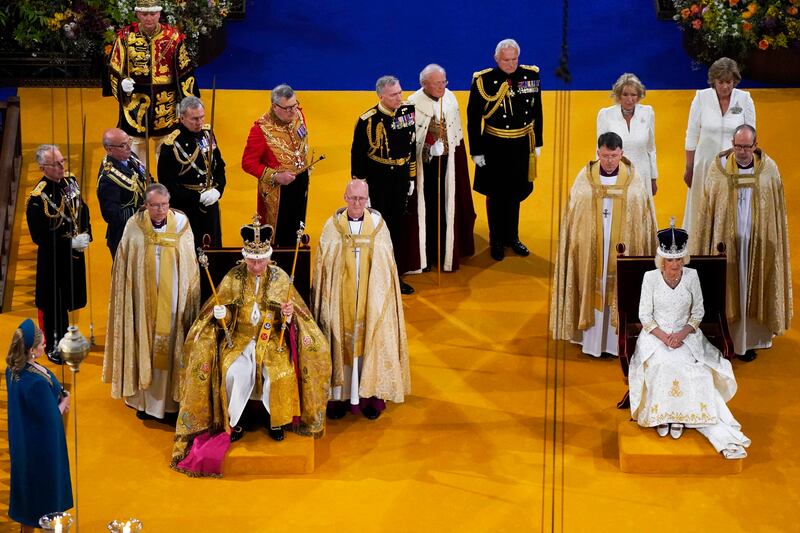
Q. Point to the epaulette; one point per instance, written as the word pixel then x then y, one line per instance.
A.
pixel 481 72
pixel 37 191
pixel 407 103
pixel 530 67
pixel 368 114
pixel 207 127
pixel 169 140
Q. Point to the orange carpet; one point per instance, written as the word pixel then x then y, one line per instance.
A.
pixel 504 430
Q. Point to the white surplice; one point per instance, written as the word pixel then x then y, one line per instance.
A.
pixel 708 133
pixel 690 384
pixel 601 336
pixel 638 141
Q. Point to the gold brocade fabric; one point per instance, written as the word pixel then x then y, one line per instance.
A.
pixel 127 362
pixel 207 358
pixel 769 291
pixel 160 295
pixel 576 280
pixel 289 144
pixel 354 292
pixel 385 372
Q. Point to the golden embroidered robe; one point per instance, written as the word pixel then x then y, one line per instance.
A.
pixel 769 270
pixel 131 334
pixel 385 372
pixel 204 402
pixel 578 270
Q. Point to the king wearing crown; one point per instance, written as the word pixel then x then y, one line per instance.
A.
pixel 236 352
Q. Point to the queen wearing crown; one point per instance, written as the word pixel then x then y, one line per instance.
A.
pixel 236 353
pixel 677 378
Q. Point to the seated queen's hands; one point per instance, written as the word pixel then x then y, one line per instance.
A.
pixel 675 339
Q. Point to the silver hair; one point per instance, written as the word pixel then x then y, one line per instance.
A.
pixel 281 91
pixel 44 149
pixel 190 102
pixel 385 81
pixel 430 69
pixel 158 188
pixel 506 43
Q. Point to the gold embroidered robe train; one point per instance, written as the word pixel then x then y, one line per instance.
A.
pixel 579 263
pixel 128 361
pixel 204 402
pixel 769 275
pixel 385 372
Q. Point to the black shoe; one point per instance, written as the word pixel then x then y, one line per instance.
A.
pixel 142 415
pixel 427 268
pixel 336 412
pixel 55 357
pixel 276 434
pixel 519 249
pixel 748 356
pixel 497 252
pixel 405 288
pixel 237 432
pixel 370 412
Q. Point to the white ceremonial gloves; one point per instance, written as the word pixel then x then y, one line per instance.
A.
pixel 209 197
pixel 127 85
pixel 437 148
pixel 410 188
pixel 220 311
pixel 479 160
pixel 81 242
pixel 538 151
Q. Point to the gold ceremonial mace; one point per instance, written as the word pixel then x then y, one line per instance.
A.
pixel 291 279
pixel 439 203
pixel 202 259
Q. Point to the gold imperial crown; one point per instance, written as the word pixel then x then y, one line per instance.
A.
pixel 257 239
pixel 148 6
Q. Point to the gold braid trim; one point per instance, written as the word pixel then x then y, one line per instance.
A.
pixel 497 99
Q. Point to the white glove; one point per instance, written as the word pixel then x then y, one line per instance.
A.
pixel 437 148
pixel 220 312
pixel 209 197
pixel 479 160
pixel 80 242
pixel 410 188
pixel 127 85
pixel 538 151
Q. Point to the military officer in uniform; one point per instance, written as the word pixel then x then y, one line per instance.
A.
pixel 384 154
pixel 504 125
pixel 58 220
pixel 192 169
pixel 149 73
pixel 277 154
pixel 121 182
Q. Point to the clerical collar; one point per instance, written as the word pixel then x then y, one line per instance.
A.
pixel 359 219
pixel 608 174
pixel 745 167
pixel 158 225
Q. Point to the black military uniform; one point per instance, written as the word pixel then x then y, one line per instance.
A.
pixel 183 167
pixel 120 193
pixel 384 154
pixel 53 210
pixel 504 124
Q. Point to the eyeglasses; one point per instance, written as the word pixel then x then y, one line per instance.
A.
pixel 358 199
pixel 744 146
pixel 123 145
pixel 288 107
pixel 59 163
pixel 444 83
pixel 165 205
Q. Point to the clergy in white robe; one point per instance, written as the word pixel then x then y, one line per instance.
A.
pixel 607 205
pixel 635 123
pixel 677 378
pixel 155 295
pixel 744 208
pixel 355 297
pixel 714 114
pixel 441 173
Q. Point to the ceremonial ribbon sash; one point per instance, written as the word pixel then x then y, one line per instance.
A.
pixel 265 332
pixel 355 281
pixel 618 193
pixel 160 296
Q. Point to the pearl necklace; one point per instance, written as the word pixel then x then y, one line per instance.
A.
pixel 627 112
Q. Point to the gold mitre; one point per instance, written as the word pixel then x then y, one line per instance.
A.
pixel 148 6
pixel 257 239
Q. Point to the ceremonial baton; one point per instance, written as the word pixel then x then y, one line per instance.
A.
pixel 202 259
pixel 291 277
pixel 310 165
